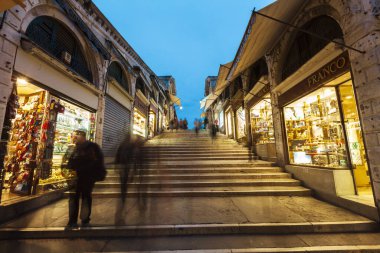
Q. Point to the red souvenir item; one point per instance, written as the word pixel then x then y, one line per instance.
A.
pixel 45 125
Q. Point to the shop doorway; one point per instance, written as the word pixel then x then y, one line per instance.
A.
pixel 152 124
pixel 355 139
pixel 230 134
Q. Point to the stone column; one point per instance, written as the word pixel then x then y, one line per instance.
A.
pixel 8 48
pixel 100 119
pixel 362 32
pixel 278 126
pixel 248 132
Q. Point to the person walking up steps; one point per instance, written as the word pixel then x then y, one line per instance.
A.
pixel 88 162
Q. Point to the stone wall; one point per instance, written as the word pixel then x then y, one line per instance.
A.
pixel 17 21
pixel 359 20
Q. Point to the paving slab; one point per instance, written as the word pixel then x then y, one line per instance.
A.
pixel 242 243
pixel 193 210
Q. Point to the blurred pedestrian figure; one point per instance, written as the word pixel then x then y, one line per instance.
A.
pixel 213 131
pixel 125 161
pixel 88 162
pixel 197 124
pixel 185 123
pixel 176 123
pixel 171 125
pixel 205 122
pixel 180 124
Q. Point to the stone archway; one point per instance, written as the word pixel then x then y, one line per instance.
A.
pixel 49 10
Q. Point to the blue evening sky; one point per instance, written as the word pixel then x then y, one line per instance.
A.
pixel 187 39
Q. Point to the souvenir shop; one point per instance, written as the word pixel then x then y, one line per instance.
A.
pixel 40 139
pixel 322 122
pixel 229 122
pixel 240 123
pixel 140 116
pixel 262 131
pixel 152 128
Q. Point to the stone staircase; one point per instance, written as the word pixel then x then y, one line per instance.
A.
pixel 185 165
pixel 195 195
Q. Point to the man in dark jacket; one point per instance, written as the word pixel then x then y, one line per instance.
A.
pixel 87 160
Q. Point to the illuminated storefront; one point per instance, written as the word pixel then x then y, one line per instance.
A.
pixel 323 127
pixel 229 129
pixel 262 129
pixel 262 121
pixel 240 123
pixel 40 140
pixel 152 124
pixel 140 115
pixel 139 124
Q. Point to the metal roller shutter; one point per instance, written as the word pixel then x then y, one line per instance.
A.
pixel 117 125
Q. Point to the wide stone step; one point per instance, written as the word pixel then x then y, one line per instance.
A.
pixel 201 158
pixel 215 176
pixel 204 192
pixel 313 249
pixel 189 229
pixel 201 183
pixel 195 148
pixel 195 152
pixel 116 171
pixel 208 164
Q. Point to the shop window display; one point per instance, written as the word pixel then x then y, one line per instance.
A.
pixel 152 122
pixel 221 119
pixel 314 130
pixel 139 122
pixel 67 121
pixel 37 139
pixel 240 114
pixel 25 137
pixel 229 125
pixel 262 122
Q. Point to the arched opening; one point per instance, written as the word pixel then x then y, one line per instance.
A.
pixel 115 71
pixel 57 40
pixel 258 70
pixel 140 86
pixel 305 46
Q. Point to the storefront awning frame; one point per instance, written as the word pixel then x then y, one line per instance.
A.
pixel 262 34
pixel 175 100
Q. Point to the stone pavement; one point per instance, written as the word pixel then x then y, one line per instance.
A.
pixel 202 205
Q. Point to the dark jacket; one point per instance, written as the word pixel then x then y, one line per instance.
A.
pixel 87 160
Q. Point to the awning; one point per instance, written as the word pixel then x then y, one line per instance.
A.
pixel 8 4
pixel 263 33
pixel 175 100
pixel 207 101
pixel 221 82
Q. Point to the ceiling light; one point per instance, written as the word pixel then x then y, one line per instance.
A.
pixel 22 81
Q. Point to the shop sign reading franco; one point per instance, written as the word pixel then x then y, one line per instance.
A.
pixel 334 68
pixel 327 71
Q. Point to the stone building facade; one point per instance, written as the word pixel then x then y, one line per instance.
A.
pixel 69 53
pixel 357 22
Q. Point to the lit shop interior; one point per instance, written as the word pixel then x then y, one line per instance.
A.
pixel 262 122
pixel 39 139
pixel 221 120
pixel 152 124
pixel 139 124
pixel 323 129
pixel 240 117
pixel 229 132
